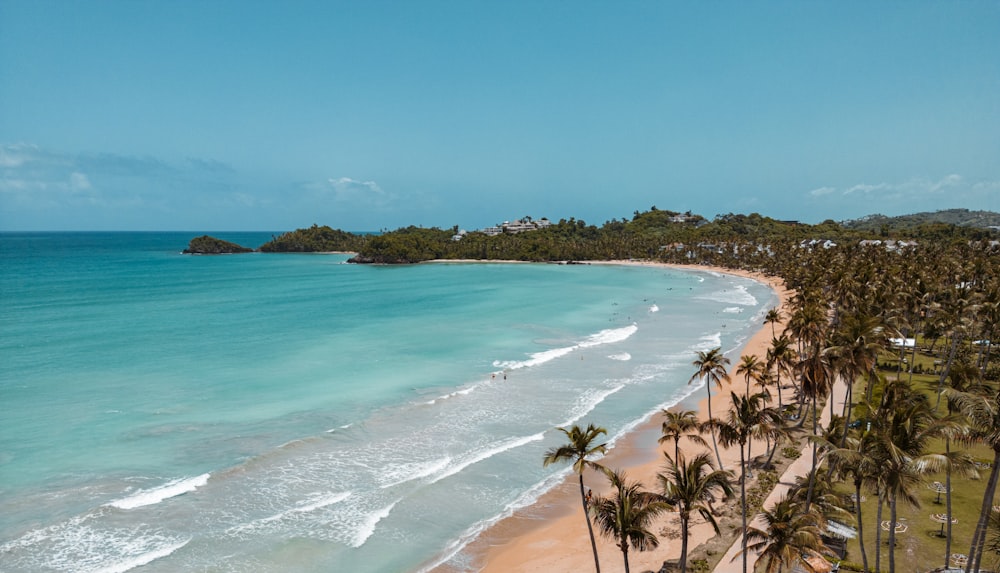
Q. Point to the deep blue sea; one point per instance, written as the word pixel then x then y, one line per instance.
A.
pixel 161 412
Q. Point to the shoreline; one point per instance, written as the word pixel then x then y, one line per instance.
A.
pixel 549 534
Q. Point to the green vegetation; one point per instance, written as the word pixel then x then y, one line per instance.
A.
pixel 205 245
pixel 957 217
pixel 911 460
pixel 315 239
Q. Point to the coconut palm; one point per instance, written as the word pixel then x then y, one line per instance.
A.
pixel 747 419
pixel 626 514
pixel 579 449
pixel 751 368
pixel 903 433
pixel 983 415
pixel 856 344
pixel 691 486
pixel 711 367
pixel 791 536
pixel 773 317
pixel 816 381
pixel 853 461
pixel 780 357
pixel 678 424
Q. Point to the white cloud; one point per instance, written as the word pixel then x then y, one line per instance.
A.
pixel 822 191
pixel 351 191
pixel 914 188
pixel 78 181
pixel 347 188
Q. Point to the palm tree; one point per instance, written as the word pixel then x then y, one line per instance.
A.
pixel 905 427
pixel 816 382
pixel 751 368
pixel 678 424
pixel 580 449
pixel 856 344
pixel 711 367
pixel 983 414
pixel 773 317
pixel 747 419
pixel 791 536
pixel 853 461
pixel 627 513
pixel 781 357
pixel 691 486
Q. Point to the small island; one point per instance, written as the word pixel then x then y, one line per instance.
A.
pixel 206 245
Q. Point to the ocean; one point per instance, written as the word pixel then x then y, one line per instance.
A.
pixel 162 412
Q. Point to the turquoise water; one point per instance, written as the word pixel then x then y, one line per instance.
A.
pixel 269 412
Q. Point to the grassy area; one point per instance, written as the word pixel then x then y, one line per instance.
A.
pixel 921 547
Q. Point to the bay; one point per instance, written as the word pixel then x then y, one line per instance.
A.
pixel 269 412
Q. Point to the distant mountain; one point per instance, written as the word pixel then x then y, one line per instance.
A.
pixel 958 217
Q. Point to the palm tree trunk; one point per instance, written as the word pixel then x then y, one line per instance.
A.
pixel 878 534
pixel 624 546
pixel 812 474
pixel 947 487
pixel 947 369
pixel 892 534
pixel 743 504
pixel 861 531
pixel 590 528
pixel 976 551
pixel 714 442
pixel 847 408
pixel 684 541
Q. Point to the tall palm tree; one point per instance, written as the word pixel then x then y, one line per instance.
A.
pixel 751 368
pixel 791 536
pixel 816 382
pixel 856 344
pixel 678 424
pixel 579 449
pixel 691 486
pixel 780 357
pixel 962 378
pixel 983 415
pixel 905 427
pixel 773 317
pixel 711 367
pixel 626 514
pixel 853 461
pixel 747 419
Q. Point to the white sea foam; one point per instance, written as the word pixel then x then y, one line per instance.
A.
pixel 733 309
pixel 81 543
pixel 621 356
pixel 367 527
pixel 708 342
pixel 526 498
pixel 736 295
pixel 139 560
pixel 314 504
pixel 396 474
pixel 607 336
pixel 654 308
pixel 486 453
pixel 158 494
pixel 589 400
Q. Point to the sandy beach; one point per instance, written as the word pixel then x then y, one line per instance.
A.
pixel 551 535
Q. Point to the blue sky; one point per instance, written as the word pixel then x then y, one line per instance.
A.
pixel 247 115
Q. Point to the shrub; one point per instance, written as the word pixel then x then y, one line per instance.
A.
pixel 791 452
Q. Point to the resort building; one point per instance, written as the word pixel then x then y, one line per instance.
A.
pixel 518 226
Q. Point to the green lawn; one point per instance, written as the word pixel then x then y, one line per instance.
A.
pixel 921 548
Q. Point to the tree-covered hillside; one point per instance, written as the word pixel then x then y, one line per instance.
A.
pixel 957 217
